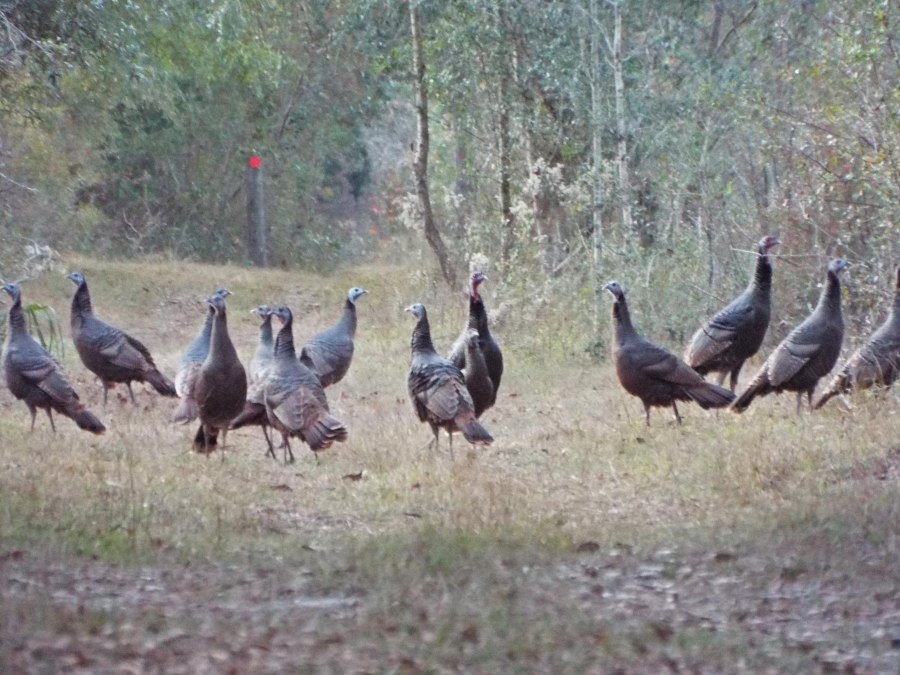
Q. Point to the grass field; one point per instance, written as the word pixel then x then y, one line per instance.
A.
pixel 581 541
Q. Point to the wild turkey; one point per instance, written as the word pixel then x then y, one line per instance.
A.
pixel 651 373
pixel 328 354
pixel 476 376
pixel 808 353
pixel 478 320
pixel 437 389
pixel 254 412
pixel 191 360
pixel 35 377
pixel 109 352
pixel 295 399
pixel 221 386
pixel 736 332
pixel 265 348
pixel 877 362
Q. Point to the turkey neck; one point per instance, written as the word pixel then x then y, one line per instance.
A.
pixel 265 331
pixel 421 337
pixel 762 274
pixel 81 304
pixel 348 318
pixel 15 319
pixel 284 343
pixel 478 317
pixel 206 331
pixel 830 300
pixel 220 345
pixel 621 321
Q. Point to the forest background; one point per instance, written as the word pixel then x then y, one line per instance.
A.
pixel 570 142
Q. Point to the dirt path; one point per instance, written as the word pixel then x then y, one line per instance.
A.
pixel 712 612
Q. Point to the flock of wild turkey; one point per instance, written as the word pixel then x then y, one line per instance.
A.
pixel 286 391
pixel 735 333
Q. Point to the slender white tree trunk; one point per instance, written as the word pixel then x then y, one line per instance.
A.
pixel 596 168
pixel 621 121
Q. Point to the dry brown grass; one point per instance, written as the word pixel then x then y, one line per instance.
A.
pixel 559 549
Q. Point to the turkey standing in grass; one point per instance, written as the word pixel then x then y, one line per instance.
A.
pixel 478 320
pixel 254 412
pixel 108 352
pixel 877 362
pixel 221 386
pixel 191 360
pixel 35 377
pixel 437 389
pixel 808 353
pixel 651 373
pixel 736 332
pixel 295 399
pixel 328 354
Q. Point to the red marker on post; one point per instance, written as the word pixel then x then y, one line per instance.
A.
pixel 254 162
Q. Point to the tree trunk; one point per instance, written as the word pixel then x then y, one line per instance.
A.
pixel 504 146
pixel 420 163
pixel 257 245
pixel 622 127
pixel 596 166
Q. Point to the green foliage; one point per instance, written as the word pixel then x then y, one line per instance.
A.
pixel 129 126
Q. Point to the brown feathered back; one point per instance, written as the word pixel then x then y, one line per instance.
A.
pixel 736 332
pixel 328 354
pixel 35 377
pixel 651 373
pixel 437 388
pixel 294 397
pixel 877 361
pixel 808 353
pixel 109 352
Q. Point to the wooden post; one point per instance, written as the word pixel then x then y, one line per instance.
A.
pixel 257 247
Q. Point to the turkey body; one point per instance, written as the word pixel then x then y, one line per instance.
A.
pixel 328 354
pixel 491 353
pixel 189 368
pixel 476 375
pixel 34 377
pixel 875 363
pixel 437 388
pixel 295 399
pixel 254 412
pixel 736 332
pixel 221 386
pixel 808 353
pixel 651 373
pixel 110 353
